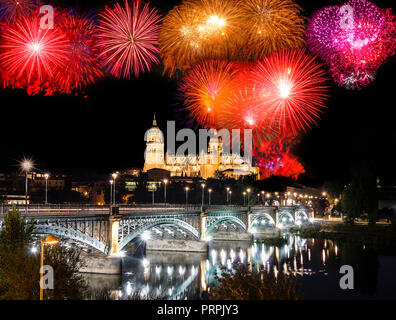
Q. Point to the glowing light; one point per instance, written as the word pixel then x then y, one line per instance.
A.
pixel 146 236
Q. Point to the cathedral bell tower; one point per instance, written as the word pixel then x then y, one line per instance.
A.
pixel 154 154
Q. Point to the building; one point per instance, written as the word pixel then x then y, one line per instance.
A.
pixel 206 165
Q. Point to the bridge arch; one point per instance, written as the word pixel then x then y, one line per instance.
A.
pixel 262 215
pixel 180 223
pixel 70 234
pixel 301 214
pixel 285 215
pixel 228 218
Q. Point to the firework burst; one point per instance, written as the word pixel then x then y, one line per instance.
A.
pixel 354 39
pixel 11 9
pixel 290 86
pixel 207 89
pixel 270 25
pixel 82 66
pixel 199 30
pixel 244 111
pixel 128 38
pixel 30 54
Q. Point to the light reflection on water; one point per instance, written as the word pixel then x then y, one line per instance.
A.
pixel 179 276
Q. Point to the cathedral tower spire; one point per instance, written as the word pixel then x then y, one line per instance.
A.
pixel 154 121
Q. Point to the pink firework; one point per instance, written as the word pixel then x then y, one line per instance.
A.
pixel 82 66
pixel 354 39
pixel 128 38
pixel 30 54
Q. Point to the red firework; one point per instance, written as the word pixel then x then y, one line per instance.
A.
pixel 30 55
pixel 11 9
pixel 82 66
pixel 290 86
pixel 129 38
pixel 275 159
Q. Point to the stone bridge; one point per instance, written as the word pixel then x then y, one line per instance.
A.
pixel 111 229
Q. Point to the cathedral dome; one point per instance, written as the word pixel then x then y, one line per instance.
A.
pixel 154 134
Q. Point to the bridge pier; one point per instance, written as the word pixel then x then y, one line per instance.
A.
pixel 249 221
pixel 203 223
pixel 114 224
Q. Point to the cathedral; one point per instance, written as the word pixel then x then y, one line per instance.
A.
pixel 211 164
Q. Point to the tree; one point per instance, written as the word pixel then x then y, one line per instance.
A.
pixel 20 269
pixel 361 195
pixel 245 283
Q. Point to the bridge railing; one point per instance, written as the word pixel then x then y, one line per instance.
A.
pixel 38 209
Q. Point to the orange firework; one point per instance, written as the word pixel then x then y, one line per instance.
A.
pixel 208 88
pixel 270 25
pixel 197 30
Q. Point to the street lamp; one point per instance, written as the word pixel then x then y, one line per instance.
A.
pixel 46 176
pixel 111 190
pixel 262 196
pixel 186 188
pixel 203 195
pixel 114 175
pixel 26 166
pixel 50 240
pixel 210 191
pixel 248 192
pixel 165 182
pixel 244 198
pixel 230 196
pixel 228 190
pixel 153 190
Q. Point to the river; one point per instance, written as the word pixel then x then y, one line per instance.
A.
pixel 315 262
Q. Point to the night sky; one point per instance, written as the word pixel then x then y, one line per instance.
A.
pixel 105 131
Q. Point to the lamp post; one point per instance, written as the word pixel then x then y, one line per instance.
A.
pixel 51 240
pixel 46 176
pixel 111 191
pixel 262 197
pixel 244 198
pixel 114 175
pixel 26 165
pixel 248 192
pixel 186 188
pixel 230 196
pixel 228 191
pixel 210 191
pixel 153 190
pixel 203 194
pixel 165 183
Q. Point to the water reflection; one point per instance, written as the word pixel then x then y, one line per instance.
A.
pixel 190 275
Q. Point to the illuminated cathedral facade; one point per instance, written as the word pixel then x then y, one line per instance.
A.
pixel 208 164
